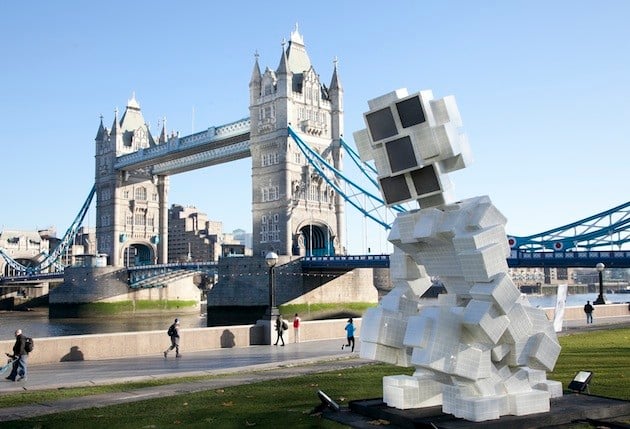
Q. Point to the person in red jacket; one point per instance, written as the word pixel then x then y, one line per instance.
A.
pixel 296 328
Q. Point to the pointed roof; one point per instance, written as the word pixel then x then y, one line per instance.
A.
pixel 298 60
pixel 102 132
pixel 282 67
pixel 115 125
pixel 335 83
pixel 163 138
pixel 132 118
pixel 256 72
pixel 133 103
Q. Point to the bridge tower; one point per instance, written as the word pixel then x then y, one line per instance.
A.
pixel 294 210
pixel 131 206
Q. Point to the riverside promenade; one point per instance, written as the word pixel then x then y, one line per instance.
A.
pixel 236 366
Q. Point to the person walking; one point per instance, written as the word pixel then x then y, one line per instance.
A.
pixel 19 370
pixel 588 309
pixel 349 335
pixel 281 326
pixel 296 328
pixel 173 332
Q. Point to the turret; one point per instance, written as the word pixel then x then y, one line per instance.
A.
pixel 101 134
pixel 284 75
pixel 336 101
pixel 163 138
pixel 116 133
pixel 255 83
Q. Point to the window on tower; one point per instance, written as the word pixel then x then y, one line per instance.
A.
pixel 313 192
pixel 140 219
pixel 141 193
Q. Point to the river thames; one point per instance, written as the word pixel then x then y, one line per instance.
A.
pixel 37 324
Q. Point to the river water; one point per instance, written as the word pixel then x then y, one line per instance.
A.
pixel 37 324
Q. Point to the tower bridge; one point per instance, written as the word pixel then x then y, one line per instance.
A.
pixel 289 197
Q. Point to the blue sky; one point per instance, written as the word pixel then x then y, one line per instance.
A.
pixel 543 89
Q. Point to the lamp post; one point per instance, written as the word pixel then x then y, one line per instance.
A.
pixel 272 259
pixel 600 270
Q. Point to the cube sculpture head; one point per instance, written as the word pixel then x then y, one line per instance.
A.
pixel 396 124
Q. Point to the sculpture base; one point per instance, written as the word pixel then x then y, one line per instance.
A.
pixel 566 409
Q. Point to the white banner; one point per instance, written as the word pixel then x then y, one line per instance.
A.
pixel 561 301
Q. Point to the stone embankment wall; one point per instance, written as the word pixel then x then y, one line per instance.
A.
pixel 131 344
pixel 245 282
pixel 577 313
pixel 106 285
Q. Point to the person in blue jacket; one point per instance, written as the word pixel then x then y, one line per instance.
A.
pixel 349 334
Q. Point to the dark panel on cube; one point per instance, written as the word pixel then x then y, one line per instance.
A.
pixel 410 112
pixel 425 180
pixel 395 189
pixel 400 154
pixel 381 124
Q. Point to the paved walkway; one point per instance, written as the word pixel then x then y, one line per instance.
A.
pixel 238 365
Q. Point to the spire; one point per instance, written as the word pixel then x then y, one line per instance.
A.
pixel 132 103
pixel 115 125
pixel 256 76
pixel 101 133
pixel 283 67
pixel 335 83
pixel 296 37
pixel 163 138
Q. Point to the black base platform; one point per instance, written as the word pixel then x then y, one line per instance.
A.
pixel 566 410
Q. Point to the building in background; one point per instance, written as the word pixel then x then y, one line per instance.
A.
pixel 193 237
pixel 27 248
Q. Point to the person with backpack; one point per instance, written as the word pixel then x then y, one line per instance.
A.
pixel 20 356
pixel 173 332
pixel 281 326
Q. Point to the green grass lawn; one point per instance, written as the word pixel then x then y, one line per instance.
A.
pixel 289 402
pixel 605 352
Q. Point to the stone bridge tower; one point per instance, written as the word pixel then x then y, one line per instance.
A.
pixel 131 206
pixel 294 210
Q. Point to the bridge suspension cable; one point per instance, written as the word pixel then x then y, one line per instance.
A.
pixel 606 229
pixel 610 228
pixel 350 191
pixel 52 259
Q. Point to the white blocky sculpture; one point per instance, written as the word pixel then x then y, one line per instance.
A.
pixel 480 351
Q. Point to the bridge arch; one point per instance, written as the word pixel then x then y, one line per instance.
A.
pixel 28 262
pixel 315 238
pixel 138 253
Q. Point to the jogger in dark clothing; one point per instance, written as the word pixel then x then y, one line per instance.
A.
pixel 174 334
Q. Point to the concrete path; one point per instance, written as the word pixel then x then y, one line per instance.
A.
pixel 242 366
pixel 218 361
